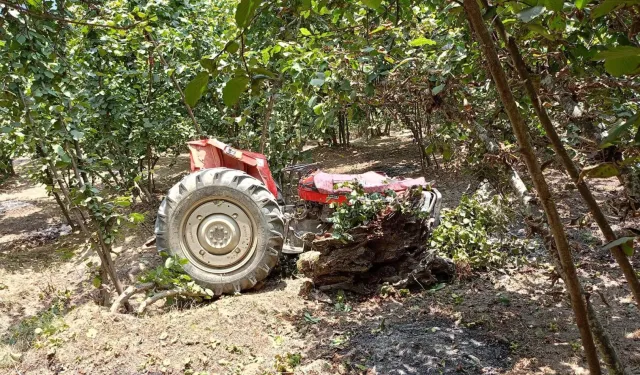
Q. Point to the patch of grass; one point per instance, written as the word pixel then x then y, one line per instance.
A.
pixel 65 253
pixel 576 346
pixel 340 341
pixel 503 299
pixel 308 318
pixel 457 298
pixel 341 304
pixel 39 330
pixel 286 364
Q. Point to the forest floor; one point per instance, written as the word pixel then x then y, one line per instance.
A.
pixel 513 320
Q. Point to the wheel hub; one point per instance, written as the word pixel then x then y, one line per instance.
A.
pixel 219 235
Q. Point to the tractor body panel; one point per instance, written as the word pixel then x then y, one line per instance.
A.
pixel 326 188
pixel 211 153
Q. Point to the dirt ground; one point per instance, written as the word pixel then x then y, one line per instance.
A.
pixel 508 321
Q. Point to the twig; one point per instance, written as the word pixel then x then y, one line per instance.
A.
pixel 604 300
pixel 244 61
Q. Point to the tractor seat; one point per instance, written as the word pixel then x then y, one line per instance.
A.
pixel 372 182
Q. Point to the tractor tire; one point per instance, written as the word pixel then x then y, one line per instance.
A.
pixel 226 224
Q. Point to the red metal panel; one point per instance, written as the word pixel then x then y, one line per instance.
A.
pixel 211 153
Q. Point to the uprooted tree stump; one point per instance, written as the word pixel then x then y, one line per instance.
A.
pixel 390 249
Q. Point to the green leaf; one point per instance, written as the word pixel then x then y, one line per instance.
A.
pixel 490 13
pixel 245 11
pixel 625 242
pixel 305 31
pixel 537 28
pixel 602 170
pixel 628 249
pixel 530 13
pixel 436 90
pixel 554 5
pixel 122 201
pixel 169 263
pixel 374 4
pixel 194 90
pixel 96 281
pixel 580 4
pixel 616 133
pixel 232 47
pixel 605 7
pixel 620 60
pixel 265 72
pixel 62 154
pixel 233 89
pixel 421 42
pixel 437 287
pixel 402 63
pixel 136 218
pixel 209 64
pixel 76 134
pixel 317 82
pixel 447 152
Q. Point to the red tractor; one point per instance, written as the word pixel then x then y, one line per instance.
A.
pixel 229 220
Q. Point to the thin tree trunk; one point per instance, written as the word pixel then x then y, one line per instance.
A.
pixel 74 164
pixel 520 130
pixel 63 207
pixel 149 190
pixel 265 125
pixel 76 146
pixel 50 182
pixel 346 127
pixel 101 249
pixel 607 350
pixel 574 172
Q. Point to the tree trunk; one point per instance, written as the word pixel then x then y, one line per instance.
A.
pixel 574 172
pixel 101 249
pixel 265 125
pixel 553 218
pixel 346 127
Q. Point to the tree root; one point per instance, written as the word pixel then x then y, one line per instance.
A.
pixel 135 289
pixel 128 293
pixel 165 294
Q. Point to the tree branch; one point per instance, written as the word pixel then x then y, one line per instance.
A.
pixel 48 16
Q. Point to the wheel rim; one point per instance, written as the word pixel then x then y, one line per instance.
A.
pixel 217 235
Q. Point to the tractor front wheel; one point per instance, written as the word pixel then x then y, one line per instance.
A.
pixel 226 224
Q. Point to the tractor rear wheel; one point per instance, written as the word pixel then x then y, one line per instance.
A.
pixel 226 224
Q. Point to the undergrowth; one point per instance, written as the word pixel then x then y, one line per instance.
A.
pixel 40 330
pixel 362 207
pixel 475 232
pixel 171 275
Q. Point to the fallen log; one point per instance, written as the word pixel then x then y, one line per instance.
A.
pixel 390 249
